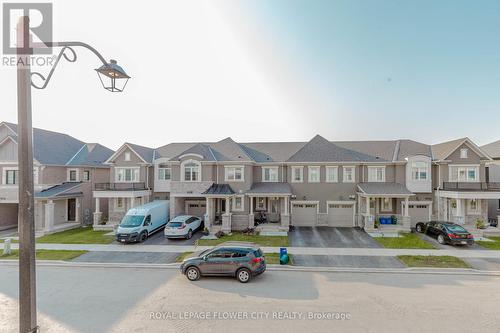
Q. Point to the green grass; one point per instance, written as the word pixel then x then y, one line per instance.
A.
pixel 271 258
pixel 77 236
pixel 273 241
pixel 406 241
pixel 48 254
pixel 495 245
pixel 433 261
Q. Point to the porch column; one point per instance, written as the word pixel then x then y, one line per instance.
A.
pixel 226 218
pixel 367 205
pixel 251 216
pixel 77 208
pixel 406 218
pixel 49 215
pixel 407 207
pixel 285 217
pixel 208 215
pixel 132 202
pixel 369 219
pixel 460 219
pixel 97 212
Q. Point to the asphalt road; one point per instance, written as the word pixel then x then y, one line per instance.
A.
pixel 75 299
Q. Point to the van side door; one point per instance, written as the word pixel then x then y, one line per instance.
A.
pixel 148 224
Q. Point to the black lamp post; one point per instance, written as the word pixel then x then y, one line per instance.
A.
pixel 113 78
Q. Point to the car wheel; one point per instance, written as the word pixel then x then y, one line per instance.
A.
pixel 441 239
pixel 193 273
pixel 243 275
pixel 190 234
pixel 419 228
pixel 143 236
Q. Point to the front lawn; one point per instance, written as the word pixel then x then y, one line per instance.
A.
pixel 405 241
pixel 433 261
pixel 270 241
pixel 271 258
pixel 495 245
pixel 48 254
pixel 81 235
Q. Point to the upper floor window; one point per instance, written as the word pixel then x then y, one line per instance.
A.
pixel 464 173
pixel 164 172
pixel 419 171
pixel 376 174
pixel 332 174
pixel 11 177
pixel 313 173
pixel 191 171
pixel 463 152
pixel 73 175
pixel 127 156
pixel 127 175
pixel 349 174
pixel 234 173
pixel 270 174
pixel 297 174
pixel 86 176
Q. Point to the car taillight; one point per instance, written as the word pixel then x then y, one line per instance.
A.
pixel 453 236
pixel 256 260
pixel 470 236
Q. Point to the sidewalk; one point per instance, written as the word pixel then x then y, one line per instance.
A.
pixel 492 254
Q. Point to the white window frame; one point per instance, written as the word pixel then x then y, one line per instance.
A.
pixel 389 206
pixel 135 174
pixel 231 170
pixel 417 168
pixel 163 170
pixel 332 170
pixel 477 210
pixel 84 172
pixel 126 156
pixel 309 173
pixel 300 169
pixel 242 208
pixel 260 207
pixel 273 169
pixel 117 208
pixel 77 175
pixel 4 176
pixel 466 169
pixel 464 152
pixel 183 171
pixel 353 174
pixel 373 173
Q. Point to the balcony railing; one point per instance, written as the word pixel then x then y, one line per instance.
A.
pixel 120 186
pixel 470 186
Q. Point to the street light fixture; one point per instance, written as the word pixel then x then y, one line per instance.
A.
pixel 117 81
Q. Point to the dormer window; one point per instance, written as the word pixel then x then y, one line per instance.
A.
pixel 463 152
pixel 191 171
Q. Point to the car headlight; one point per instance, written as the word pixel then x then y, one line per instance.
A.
pixel 134 234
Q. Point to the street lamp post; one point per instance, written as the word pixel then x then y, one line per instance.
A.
pixel 114 79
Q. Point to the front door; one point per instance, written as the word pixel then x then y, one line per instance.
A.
pixel 72 209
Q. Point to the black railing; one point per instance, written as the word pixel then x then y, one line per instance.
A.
pixel 470 186
pixel 120 186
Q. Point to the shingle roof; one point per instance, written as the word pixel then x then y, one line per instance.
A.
pixel 199 149
pixel 321 150
pixel 411 148
pixel 384 150
pixel 384 189
pixel 219 189
pixel 63 189
pixel 145 153
pixel 91 154
pixel 270 188
pixel 492 149
pixel 442 150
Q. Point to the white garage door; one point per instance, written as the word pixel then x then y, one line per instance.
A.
pixel 419 213
pixel 340 215
pixel 196 208
pixel 304 214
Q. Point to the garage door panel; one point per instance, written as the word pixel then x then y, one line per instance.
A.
pixel 340 215
pixel 419 213
pixel 304 215
pixel 196 208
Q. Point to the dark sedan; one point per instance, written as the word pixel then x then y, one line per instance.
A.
pixel 446 232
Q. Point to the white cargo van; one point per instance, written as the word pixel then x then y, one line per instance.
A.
pixel 142 221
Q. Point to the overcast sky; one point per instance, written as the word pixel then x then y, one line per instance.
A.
pixel 277 70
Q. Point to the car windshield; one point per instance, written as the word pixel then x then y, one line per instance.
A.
pixel 174 224
pixel 455 228
pixel 179 219
pixel 130 221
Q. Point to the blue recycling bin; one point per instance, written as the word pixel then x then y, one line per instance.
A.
pixel 284 258
pixel 283 251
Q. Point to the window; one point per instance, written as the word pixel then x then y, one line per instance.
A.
pixel 473 207
pixel 11 177
pixel 386 204
pixel 238 204
pixel 297 174
pixel 234 173
pixel 273 205
pixel 376 174
pixel 419 171
pixel 73 175
pixel 349 176
pixel 124 175
pixel 463 152
pixel 164 172
pixel 332 174
pixel 464 173
pixel 313 174
pixel 260 203
pixel 86 175
pixel 270 174
pixel 127 156
pixel 119 204
pixel 191 171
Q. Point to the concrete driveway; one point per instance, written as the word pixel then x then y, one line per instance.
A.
pixel 434 242
pixel 330 237
pixel 159 238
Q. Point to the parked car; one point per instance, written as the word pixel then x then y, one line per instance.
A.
pixel 446 232
pixel 237 259
pixel 142 221
pixel 183 226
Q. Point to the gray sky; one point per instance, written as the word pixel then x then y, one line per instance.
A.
pixel 206 70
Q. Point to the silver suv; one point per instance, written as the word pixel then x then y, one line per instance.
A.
pixel 239 259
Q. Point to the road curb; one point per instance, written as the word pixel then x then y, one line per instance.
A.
pixel 410 270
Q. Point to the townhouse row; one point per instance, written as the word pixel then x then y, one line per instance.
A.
pixel 267 185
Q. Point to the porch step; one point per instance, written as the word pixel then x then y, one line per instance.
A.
pixel 273 233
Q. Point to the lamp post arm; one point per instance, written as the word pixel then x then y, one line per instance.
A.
pixel 77 44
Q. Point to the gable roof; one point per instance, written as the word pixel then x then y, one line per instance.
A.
pixel 64 189
pixel 146 154
pixel 321 150
pixel 91 154
pixel 492 149
pixel 442 151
